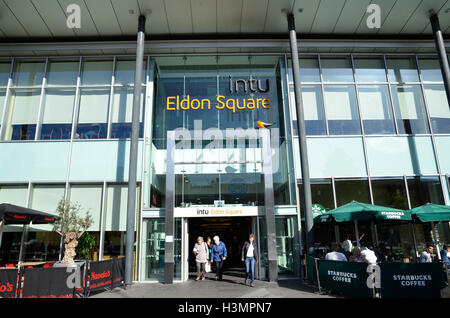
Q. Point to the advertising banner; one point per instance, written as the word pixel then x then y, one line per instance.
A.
pixel 118 271
pixel 100 275
pixel 345 278
pixel 8 280
pixel 47 283
pixel 406 280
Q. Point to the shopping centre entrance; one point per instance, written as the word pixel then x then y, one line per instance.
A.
pixel 233 231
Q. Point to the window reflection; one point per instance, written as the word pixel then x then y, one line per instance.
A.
pixel 28 73
pixel 4 73
pixel 153 245
pixel 376 109
pixel 369 69
pixel 402 70
pixel 58 110
pixel 410 109
pixel 122 112
pixel 23 112
pixel 390 192
pixel 62 72
pixel 342 110
pixel 93 114
pixel 430 69
pixel 348 190
pixel 314 114
pixel 96 72
pixel 438 108
pixel 336 69
pixel 424 190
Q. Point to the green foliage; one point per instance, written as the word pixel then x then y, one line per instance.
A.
pixel 86 245
pixel 70 219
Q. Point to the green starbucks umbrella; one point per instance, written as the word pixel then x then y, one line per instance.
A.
pixel 432 212
pixel 357 211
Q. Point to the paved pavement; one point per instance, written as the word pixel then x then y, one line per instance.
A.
pixel 230 287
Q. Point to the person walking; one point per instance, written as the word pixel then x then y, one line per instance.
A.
pixel 218 256
pixel 201 252
pixel 250 257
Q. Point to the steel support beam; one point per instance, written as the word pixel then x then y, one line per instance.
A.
pixel 131 204
pixel 269 203
pixel 440 48
pixel 302 137
pixel 169 212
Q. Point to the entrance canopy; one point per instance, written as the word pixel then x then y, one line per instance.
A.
pixel 432 212
pixel 14 214
pixel 357 211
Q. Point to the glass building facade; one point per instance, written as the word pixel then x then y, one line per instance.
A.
pixel 378 131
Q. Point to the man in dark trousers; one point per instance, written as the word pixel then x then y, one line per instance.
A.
pixel 250 257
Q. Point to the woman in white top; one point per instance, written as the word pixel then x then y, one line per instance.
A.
pixel 201 252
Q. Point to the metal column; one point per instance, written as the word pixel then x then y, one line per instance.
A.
pixel 169 213
pixel 302 137
pixel 131 204
pixel 440 48
pixel 269 205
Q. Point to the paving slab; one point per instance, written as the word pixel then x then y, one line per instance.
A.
pixel 230 287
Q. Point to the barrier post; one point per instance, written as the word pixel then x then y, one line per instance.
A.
pixel 112 273
pixel 316 260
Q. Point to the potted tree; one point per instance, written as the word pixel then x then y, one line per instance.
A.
pixel 71 225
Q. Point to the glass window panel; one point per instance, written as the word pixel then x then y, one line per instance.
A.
pixel 62 73
pixel 90 199
pixel 122 109
pixel 313 110
pixel 424 190
pixel 14 194
pixel 430 69
pixel 348 190
pixel 116 207
pixel 2 104
pixel 153 249
pixel 390 192
pixel 45 198
pixel 410 109
pixel 336 69
pixel 58 111
pixel 22 114
pixel 286 238
pixel 370 70
pixel 97 72
pixel 402 69
pixel 93 114
pixel 342 110
pixel 309 70
pixel 438 108
pixel 376 109
pixel 125 71
pixel 28 73
pixel 4 73
pixel 321 193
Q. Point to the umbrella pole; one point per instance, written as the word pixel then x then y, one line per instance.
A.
pixel 337 235
pixel 374 233
pixel 413 231
pixel 436 243
pixel 358 244
pixel 21 244
pixel 2 229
